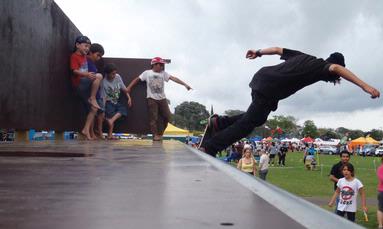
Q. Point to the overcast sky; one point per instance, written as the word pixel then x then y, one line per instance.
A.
pixel 207 42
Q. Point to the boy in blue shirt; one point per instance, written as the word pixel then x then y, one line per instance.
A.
pixel 96 51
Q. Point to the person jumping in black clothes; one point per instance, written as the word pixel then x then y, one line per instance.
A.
pixel 271 84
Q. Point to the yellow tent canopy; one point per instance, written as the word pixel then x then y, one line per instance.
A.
pixel 173 130
pixel 363 141
pixel 370 140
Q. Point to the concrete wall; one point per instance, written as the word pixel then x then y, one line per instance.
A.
pixel 36 41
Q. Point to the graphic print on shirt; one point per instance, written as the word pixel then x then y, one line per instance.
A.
pixel 156 84
pixel 346 194
pixel 84 67
pixel 113 93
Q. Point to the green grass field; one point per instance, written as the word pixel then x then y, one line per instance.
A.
pixel 297 180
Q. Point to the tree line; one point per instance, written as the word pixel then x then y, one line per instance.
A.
pixel 193 116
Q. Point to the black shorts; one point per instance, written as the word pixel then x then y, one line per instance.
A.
pixel 272 155
pixel 380 201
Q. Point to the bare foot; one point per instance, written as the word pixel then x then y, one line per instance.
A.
pixel 94 103
pixel 112 138
pixel 86 135
pixel 100 136
pixel 93 135
pixel 157 137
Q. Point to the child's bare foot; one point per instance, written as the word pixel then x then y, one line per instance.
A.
pixel 100 136
pixel 93 135
pixel 112 138
pixel 157 137
pixel 86 135
pixel 94 103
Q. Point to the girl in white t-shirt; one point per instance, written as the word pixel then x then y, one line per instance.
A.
pixel 347 190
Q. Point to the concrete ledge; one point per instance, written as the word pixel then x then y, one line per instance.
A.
pixel 302 211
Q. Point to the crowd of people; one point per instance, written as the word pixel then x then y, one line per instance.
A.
pixel 255 159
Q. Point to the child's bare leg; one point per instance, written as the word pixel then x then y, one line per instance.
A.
pixel 89 120
pixel 111 123
pixel 100 119
pixel 91 131
pixel 380 218
pixel 95 85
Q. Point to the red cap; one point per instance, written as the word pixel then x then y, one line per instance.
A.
pixel 158 60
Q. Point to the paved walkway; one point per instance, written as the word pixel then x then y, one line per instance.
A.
pixel 123 184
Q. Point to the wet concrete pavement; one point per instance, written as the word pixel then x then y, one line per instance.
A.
pixel 124 184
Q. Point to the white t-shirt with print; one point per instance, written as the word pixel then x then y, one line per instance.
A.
pixel 155 83
pixel 348 194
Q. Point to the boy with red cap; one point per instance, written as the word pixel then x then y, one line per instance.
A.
pixel 272 84
pixel 155 78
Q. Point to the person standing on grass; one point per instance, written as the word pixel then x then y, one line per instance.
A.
pixel 336 172
pixel 282 155
pixel 379 212
pixel 263 165
pixel 347 192
pixel 247 163
pixel 273 151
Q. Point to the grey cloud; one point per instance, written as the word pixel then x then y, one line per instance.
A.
pixel 207 40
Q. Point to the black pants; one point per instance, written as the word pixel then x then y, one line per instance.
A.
pixel 281 159
pixel 350 215
pixel 234 128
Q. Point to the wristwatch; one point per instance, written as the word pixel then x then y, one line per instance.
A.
pixel 258 52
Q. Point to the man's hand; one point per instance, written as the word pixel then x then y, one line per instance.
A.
pixel 251 54
pixel 372 91
pixel 188 87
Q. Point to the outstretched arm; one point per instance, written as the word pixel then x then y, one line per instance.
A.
pixel 175 79
pixel 132 84
pixel 252 54
pixel 348 75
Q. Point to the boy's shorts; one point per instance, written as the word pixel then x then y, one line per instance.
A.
pixel 111 109
pixel 83 90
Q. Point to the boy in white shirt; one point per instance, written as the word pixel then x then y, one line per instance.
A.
pixel 155 78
